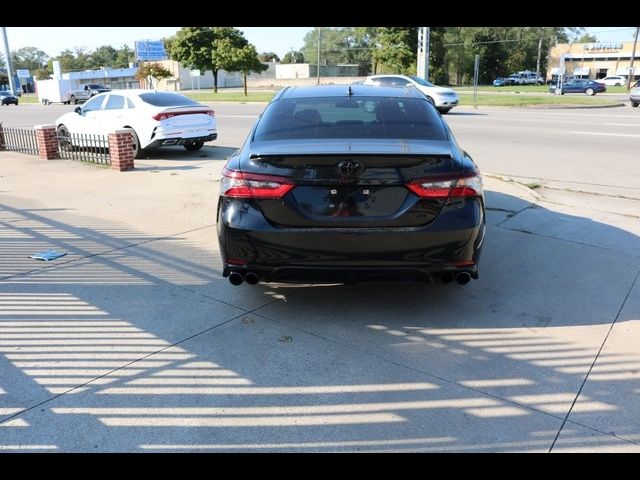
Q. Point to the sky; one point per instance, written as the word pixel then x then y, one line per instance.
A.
pixel 52 40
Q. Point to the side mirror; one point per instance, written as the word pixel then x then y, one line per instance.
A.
pixel 78 110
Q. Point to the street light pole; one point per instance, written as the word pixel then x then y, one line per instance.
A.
pixel 7 55
pixel 318 72
pixel 633 56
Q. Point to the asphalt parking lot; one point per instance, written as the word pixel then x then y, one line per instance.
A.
pixel 133 341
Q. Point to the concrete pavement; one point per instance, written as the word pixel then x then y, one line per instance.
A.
pixel 134 342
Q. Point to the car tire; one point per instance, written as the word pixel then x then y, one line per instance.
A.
pixel 590 92
pixel 64 138
pixel 618 85
pixel 73 100
pixel 444 111
pixel 557 91
pixel 193 146
pixel 634 104
pixel 137 151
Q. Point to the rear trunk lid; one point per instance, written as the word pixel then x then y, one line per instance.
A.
pixel 341 183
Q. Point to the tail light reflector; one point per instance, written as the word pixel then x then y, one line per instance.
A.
pixel 467 184
pixel 252 185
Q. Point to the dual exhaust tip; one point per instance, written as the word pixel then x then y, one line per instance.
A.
pixel 461 277
pixel 236 278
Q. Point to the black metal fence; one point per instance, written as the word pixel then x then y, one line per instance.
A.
pixel 84 147
pixel 21 140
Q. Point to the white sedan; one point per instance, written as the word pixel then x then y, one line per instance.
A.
pixel 444 99
pixel 154 119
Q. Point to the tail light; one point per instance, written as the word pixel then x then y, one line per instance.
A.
pixel 467 184
pixel 252 185
pixel 165 115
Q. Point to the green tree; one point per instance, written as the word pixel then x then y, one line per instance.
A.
pixel 397 49
pixel 152 70
pixel 268 57
pixel 246 60
pixel 29 58
pixel 350 45
pixel 104 56
pixel 197 48
pixel 42 74
pixel 73 60
pixel 293 57
pixel 587 38
pixel 124 56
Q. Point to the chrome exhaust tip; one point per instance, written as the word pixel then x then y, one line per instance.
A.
pixel 463 278
pixel 235 278
pixel 251 278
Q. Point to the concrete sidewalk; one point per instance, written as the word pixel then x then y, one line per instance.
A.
pixel 134 342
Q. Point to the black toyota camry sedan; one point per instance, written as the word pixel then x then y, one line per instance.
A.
pixel 347 184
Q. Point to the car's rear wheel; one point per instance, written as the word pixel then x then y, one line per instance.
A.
pixel 193 146
pixel 135 143
pixel 64 139
pixel 444 110
pixel 618 84
pixel 73 100
pixel 634 104
pixel 590 91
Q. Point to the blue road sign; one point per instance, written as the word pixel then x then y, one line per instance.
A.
pixel 150 50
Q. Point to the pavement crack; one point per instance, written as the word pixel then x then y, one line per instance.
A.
pixel 575 242
pixel 586 377
pixel 440 378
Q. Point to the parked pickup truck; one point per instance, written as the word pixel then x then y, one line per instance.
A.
pixel 84 94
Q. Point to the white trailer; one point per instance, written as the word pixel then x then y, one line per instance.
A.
pixel 55 90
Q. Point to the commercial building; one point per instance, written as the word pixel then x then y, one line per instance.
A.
pixel 593 60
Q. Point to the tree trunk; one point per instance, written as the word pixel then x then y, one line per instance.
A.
pixel 244 72
pixel 215 81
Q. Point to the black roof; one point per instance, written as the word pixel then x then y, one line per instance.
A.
pixel 357 90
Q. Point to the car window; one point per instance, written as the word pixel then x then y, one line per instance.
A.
pixel 363 117
pixel 114 102
pixel 130 104
pixel 392 81
pixel 167 99
pixel 93 104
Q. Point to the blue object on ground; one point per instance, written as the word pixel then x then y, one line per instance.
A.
pixel 47 255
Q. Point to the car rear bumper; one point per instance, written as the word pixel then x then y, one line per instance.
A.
pixel 450 243
pixel 160 142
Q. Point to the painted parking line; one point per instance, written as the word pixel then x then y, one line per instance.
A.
pixel 606 134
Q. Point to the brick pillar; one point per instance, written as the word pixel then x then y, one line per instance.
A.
pixel 121 150
pixel 47 142
pixel 2 147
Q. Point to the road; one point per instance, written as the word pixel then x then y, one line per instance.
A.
pixel 591 150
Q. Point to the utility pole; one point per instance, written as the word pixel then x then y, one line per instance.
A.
pixel 7 56
pixel 318 72
pixel 633 57
pixel 538 62
pixel 424 37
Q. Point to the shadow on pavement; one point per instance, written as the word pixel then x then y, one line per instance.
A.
pixel 136 343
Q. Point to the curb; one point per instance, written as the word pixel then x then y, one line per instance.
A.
pixel 551 106
pixel 519 185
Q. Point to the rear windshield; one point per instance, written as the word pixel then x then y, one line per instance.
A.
pixel 166 99
pixel 362 117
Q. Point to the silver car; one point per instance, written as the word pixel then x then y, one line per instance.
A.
pixel 634 94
